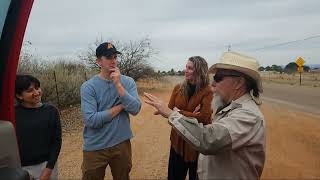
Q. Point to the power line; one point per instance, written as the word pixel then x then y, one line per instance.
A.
pixel 286 43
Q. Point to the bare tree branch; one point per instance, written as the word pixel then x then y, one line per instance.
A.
pixel 133 61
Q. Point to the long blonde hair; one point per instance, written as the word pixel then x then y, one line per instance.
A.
pixel 200 73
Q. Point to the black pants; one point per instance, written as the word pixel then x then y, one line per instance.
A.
pixel 178 168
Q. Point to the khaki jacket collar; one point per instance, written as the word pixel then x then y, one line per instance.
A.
pixel 236 103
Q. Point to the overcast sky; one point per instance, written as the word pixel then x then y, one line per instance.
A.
pixel 179 29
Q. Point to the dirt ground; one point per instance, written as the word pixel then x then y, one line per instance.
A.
pixel 293 143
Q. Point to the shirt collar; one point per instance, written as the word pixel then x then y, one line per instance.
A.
pixel 236 103
pixel 105 80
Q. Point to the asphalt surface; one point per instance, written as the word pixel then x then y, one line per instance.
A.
pixel 301 98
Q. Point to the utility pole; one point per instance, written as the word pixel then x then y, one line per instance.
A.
pixel 229 48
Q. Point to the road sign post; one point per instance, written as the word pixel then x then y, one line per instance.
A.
pixel 300 78
pixel 300 63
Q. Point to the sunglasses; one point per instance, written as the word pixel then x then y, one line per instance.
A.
pixel 220 77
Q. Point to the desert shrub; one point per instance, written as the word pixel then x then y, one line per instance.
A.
pixel 60 80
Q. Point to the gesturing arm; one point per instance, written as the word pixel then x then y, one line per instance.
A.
pixel 204 114
pixel 230 132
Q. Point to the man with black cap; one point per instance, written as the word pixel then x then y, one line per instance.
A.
pixel 107 99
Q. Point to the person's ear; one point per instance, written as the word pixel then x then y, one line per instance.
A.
pixel 240 82
pixel 19 97
pixel 98 62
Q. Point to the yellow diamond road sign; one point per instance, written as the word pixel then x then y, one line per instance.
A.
pixel 300 61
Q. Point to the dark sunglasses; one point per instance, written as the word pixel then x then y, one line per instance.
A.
pixel 219 77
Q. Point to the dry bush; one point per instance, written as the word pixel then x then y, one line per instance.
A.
pixel 307 78
pixel 60 80
pixel 68 80
pixel 158 84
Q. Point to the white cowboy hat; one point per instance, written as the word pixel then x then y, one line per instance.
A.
pixel 239 62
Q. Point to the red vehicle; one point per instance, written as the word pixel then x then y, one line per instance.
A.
pixel 14 15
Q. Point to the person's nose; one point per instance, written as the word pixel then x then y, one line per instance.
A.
pixel 36 92
pixel 114 60
pixel 213 84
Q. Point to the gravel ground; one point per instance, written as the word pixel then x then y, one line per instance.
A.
pixel 293 143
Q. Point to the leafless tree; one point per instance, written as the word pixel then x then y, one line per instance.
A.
pixel 29 62
pixel 133 61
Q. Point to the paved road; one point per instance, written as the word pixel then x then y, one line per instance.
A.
pixel 302 98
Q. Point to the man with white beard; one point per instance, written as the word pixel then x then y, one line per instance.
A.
pixel 233 145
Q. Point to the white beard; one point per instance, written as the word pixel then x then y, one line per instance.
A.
pixel 217 102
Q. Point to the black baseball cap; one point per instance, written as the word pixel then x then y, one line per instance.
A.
pixel 106 49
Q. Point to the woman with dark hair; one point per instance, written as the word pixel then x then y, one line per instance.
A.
pixel 38 129
pixel 193 99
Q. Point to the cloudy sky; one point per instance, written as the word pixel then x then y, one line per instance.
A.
pixel 179 29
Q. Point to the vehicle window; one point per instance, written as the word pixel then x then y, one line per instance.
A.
pixel 4 6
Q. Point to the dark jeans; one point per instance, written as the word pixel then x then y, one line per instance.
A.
pixel 178 168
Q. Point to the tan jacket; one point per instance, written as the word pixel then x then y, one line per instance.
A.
pixel 186 107
pixel 233 146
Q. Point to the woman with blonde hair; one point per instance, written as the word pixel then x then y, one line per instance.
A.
pixel 193 99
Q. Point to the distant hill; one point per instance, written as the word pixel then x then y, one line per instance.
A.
pixel 312 66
